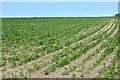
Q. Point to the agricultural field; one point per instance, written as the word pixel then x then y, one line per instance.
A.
pixel 60 47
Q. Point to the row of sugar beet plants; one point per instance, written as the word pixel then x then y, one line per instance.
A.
pixel 37 66
pixel 108 50
pixel 104 32
pixel 15 31
pixel 43 33
pixel 50 48
pixel 110 71
pixel 72 68
pixel 66 52
pixel 60 62
pixel 27 57
pixel 98 38
pixel 82 36
pixel 24 58
pixel 87 70
pixel 60 55
pixel 11 30
pixel 107 35
pixel 65 57
pixel 110 47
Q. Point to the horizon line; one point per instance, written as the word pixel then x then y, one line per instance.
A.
pixel 54 16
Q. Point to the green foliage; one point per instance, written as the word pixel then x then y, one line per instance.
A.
pixel 50 33
pixel 23 42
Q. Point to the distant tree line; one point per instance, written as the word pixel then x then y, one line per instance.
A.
pixel 117 16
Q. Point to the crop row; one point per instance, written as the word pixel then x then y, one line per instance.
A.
pixel 24 58
pixel 108 50
pixel 70 56
pixel 72 68
pixel 37 66
pixel 110 71
pixel 38 35
pixel 58 56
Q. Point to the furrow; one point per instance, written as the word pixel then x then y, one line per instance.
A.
pixel 48 55
pixel 106 61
